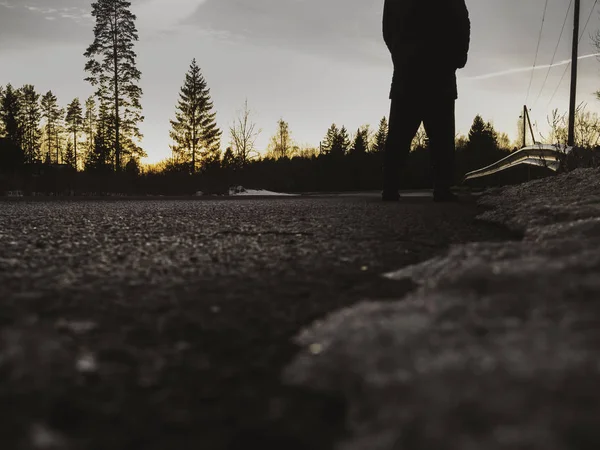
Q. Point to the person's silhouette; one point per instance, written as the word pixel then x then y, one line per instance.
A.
pixel 428 40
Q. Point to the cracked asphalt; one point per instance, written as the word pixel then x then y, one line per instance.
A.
pixel 165 323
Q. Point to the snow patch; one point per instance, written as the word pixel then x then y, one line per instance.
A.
pixel 240 190
pixel 499 333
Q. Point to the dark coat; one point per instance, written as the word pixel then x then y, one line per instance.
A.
pixel 428 41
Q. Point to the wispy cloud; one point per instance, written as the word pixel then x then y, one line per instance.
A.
pixel 517 70
pixel 75 13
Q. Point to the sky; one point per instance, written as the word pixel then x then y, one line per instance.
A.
pixel 310 62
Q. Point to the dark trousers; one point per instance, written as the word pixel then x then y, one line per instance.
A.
pixel 406 115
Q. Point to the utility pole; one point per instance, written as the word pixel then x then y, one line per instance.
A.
pixel 573 100
pixel 524 126
pixel 530 126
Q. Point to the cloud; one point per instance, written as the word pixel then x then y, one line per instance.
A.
pixel 27 22
pixel 164 15
pixel 333 27
pixel 517 70
pixel 34 22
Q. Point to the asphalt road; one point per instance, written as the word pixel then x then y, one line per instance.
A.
pixel 165 323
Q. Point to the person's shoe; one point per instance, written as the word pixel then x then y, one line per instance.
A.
pixel 444 196
pixel 389 195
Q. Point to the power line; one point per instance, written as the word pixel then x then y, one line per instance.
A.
pixel 569 65
pixel 537 50
pixel 554 55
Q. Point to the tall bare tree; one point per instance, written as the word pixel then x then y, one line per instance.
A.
pixel 113 71
pixel 243 136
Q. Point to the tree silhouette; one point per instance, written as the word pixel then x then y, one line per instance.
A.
pixel 341 144
pixel 90 122
pixel 70 155
pixel 243 136
pixel 74 121
pixel 194 129
pixel 52 113
pixel 482 145
pixel 360 145
pixel 11 156
pixel 98 160
pixel 330 138
pixel 229 159
pixel 10 111
pixel 281 143
pixel 30 117
pixel 336 142
pixel 380 136
pixel 482 135
pixel 2 129
pixel 112 68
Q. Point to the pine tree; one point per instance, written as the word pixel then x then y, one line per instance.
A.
pixel 10 111
pixel 229 159
pixel 29 119
pixel 99 158
pixel 482 145
pixel 380 136
pixel 341 143
pixel 74 122
pixel 360 145
pixel 194 129
pixel 70 155
pixel 482 135
pixel 330 138
pixel 112 68
pixel 52 114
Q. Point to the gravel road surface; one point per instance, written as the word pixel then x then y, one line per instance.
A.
pixel 164 323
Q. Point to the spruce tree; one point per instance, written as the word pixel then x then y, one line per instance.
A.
pixel 341 143
pixel 194 130
pixel 360 145
pixel 330 139
pixel 70 155
pixel 380 136
pixel 482 135
pixel 74 122
pixel 482 145
pixel 229 159
pixel 113 71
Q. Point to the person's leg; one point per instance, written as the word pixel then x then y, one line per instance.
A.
pixel 403 124
pixel 440 126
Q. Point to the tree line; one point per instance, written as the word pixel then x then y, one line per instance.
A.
pixel 96 146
